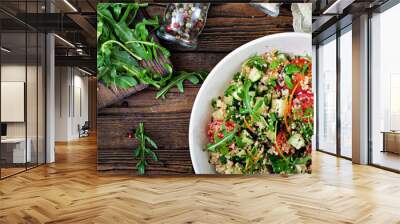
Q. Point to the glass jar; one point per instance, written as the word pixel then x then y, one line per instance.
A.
pixel 183 22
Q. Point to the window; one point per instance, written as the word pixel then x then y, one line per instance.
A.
pixel 327 96
pixel 346 92
pixel 22 101
pixel 385 89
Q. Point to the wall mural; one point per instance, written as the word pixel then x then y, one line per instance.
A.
pixel 204 88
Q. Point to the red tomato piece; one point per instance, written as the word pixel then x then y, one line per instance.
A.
pixel 176 25
pixel 215 127
pixel 306 99
pixel 280 140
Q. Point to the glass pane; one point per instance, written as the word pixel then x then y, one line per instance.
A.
pixel 327 96
pixel 385 86
pixel 31 86
pixel 314 82
pixel 41 99
pixel 32 98
pixel 13 87
pixel 346 94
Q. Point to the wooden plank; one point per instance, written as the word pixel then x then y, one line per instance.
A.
pixel 166 121
pixel 197 60
pixel 169 161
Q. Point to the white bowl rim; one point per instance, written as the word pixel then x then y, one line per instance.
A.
pixel 212 74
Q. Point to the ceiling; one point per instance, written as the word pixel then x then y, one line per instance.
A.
pixel 75 21
pixel 332 15
pixel 72 20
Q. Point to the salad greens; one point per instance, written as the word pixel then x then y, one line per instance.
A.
pixel 124 42
pixel 264 121
pixel 193 77
pixel 144 149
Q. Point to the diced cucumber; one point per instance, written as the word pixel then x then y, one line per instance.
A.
pixel 297 141
pixel 278 106
pixel 228 100
pixel 270 135
pixel 262 123
pixel 255 74
pixel 218 115
pixel 246 137
pixel 236 94
pixel 263 108
pixel 221 104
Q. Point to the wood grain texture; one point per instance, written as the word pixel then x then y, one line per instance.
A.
pixel 229 25
pixel 71 191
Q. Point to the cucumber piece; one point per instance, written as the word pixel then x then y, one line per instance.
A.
pixel 254 74
pixel 246 138
pixel 297 141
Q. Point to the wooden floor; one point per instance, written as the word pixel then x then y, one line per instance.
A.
pixel 386 159
pixel 71 191
pixel 5 172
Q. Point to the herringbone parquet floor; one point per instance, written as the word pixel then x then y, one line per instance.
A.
pixel 70 191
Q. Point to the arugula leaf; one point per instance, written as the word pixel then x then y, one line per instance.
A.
pixel 257 62
pixel 143 151
pixel 232 88
pixel 304 69
pixel 291 69
pixel 99 28
pixel 177 81
pixel 281 57
pixel 125 81
pixel 246 97
pixel 227 137
pixel 274 64
pixel 288 82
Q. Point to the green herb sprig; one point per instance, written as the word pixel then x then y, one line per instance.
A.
pixel 228 137
pixel 193 77
pixel 144 149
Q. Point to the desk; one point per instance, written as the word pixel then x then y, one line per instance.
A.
pixel 18 149
pixel 391 141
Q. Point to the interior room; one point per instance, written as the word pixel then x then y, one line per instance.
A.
pixel 27 141
pixel 78 148
pixel 334 61
pixel 385 87
pixel 22 99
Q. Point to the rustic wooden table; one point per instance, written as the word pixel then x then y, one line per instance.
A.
pixel 229 25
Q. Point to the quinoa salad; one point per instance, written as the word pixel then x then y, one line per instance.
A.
pixel 264 121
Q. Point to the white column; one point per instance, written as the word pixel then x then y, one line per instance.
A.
pixel 50 100
pixel 360 90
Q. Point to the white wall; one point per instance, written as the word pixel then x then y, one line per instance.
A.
pixel 33 127
pixel 62 81
pixel 71 102
pixel 314 82
pixel 12 73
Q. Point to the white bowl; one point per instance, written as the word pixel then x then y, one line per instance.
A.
pixel 218 80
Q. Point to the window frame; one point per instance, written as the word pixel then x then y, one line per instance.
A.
pixel 335 36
